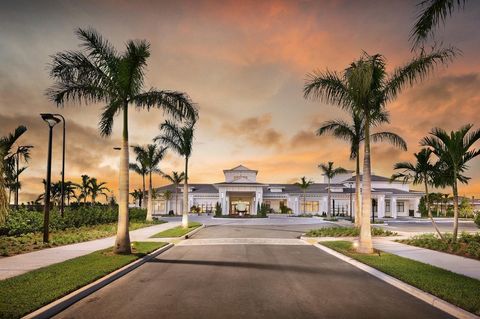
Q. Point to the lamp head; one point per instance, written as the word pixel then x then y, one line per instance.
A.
pixel 50 119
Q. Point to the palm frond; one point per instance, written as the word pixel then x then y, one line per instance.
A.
pixel 392 138
pixel 328 87
pixel 176 104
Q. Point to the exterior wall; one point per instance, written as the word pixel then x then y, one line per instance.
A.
pixel 240 176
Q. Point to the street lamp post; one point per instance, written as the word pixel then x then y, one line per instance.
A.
pixel 51 121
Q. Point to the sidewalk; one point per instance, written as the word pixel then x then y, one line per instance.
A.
pixel 457 264
pixel 19 264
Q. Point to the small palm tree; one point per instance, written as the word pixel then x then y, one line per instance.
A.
pixel 304 184
pixel 13 169
pixel 140 167
pixel 176 179
pixel 454 151
pixel 99 74
pixel 6 144
pixel 137 194
pixel 167 196
pixel 153 154
pixel 366 88
pixel 179 139
pixel 420 172
pixel 84 188
pixel 97 189
pixel 330 172
pixel 431 15
pixel 354 133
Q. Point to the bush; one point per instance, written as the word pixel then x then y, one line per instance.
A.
pixel 285 210
pixel 264 210
pixel 23 221
pixel 477 219
pixel 346 232
pixel 218 210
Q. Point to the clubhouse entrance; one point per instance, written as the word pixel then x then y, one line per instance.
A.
pixel 241 203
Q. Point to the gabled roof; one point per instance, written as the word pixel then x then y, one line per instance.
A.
pixel 374 178
pixel 240 168
pixel 197 188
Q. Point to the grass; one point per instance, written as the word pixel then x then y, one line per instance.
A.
pixel 177 231
pixel 14 245
pixel 457 289
pixel 467 245
pixel 25 293
pixel 346 232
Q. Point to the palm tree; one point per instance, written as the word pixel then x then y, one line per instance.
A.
pixel 6 144
pixel 69 189
pixel 97 189
pixel 179 139
pixel 99 74
pixel 432 13
pixel 140 168
pixel 366 88
pixel 354 133
pixel 167 195
pixel 137 194
pixel 176 179
pixel 330 172
pixel 153 155
pixel 454 151
pixel 304 184
pixel 420 172
pixel 84 188
pixel 14 170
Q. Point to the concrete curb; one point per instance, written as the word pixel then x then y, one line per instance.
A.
pixel 317 239
pixel 420 294
pixel 186 236
pixel 61 304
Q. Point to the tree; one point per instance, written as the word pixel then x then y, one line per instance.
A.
pixel 432 13
pixel 420 172
pixel 304 184
pixel 176 179
pixel 140 167
pixel 179 139
pixel 152 155
pixel 13 169
pixel 167 196
pixel 354 133
pixel 99 74
pixel 454 151
pixel 137 194
pixel 330 172
pixel 84 188
pixel 97 189
pixel 6 144
pixel 366 88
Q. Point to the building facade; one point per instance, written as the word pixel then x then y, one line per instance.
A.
pixel 241 194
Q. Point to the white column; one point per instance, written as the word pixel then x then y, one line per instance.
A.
pixel 381 206
pixel 324 205
pixel 393 207
pixel 416 203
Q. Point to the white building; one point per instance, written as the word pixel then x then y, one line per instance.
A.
pixel 240 193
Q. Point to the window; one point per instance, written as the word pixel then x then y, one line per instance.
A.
pixel 387 206
pixel 311 207
pixel 400 207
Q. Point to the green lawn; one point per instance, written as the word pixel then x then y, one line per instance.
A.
pixel 177 231
pixel 14 245
pixel 346 232
pixel 459 290
pixel 25 293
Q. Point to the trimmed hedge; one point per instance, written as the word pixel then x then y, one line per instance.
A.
pixel 346 232
pixel 22 221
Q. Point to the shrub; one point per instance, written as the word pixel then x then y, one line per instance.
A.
pixel 477 219
pixel 346 232
pixel 218 210
pixel 285 210
pixel 264 210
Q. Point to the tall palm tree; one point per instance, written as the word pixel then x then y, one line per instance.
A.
pixel 84 188
pixel 454 151
pixel 153 155
pixel 179 139
pixel 432 14
pixel 140 167
pixel 176 179
pixel 99 74
pixel 97 189
pixel 6 144
pixel 354 133
pixel 14 170
pixel 330 172
pixel 304 184
pixel 420 172
pixel 366 88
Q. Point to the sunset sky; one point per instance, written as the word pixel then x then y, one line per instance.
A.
pixel 244 63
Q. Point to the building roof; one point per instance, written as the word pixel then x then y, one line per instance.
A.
pixel 240 168
pixel 374 178
pixel 197 188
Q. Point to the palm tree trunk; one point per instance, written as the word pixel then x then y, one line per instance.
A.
pixel 365 243
pixel 429 210
pixel 176 199
pixel 150 199
pixel 358 209
pixel 329 199
pixel 455 206
pixel 142 205
pixel 185 197
pixel 122 242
